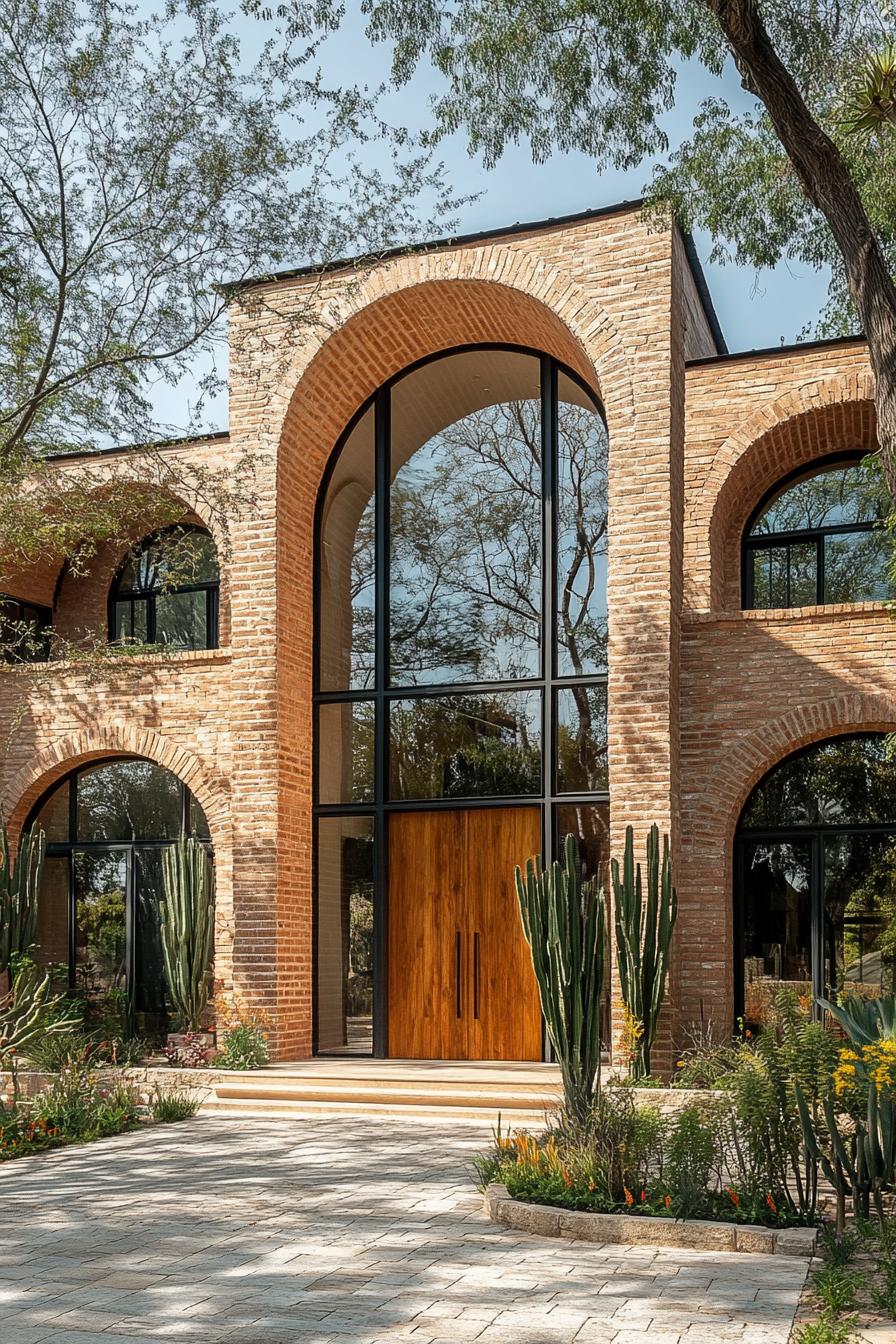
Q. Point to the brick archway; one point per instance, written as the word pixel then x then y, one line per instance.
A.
pixel 51 764
pixel 813 421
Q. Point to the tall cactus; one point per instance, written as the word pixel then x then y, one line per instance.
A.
pixel 187 923
pixel 564 920
pixel 643 938
pixel 19 886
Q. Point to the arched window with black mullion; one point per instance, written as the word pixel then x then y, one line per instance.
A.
pixel 819 537
pixel 167 592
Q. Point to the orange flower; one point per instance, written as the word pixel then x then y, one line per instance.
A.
pixel 629 1197
pixel 733 1195
pixel 771 1203
pixel 668 1201
pixel 567 1179
pixel 643 1196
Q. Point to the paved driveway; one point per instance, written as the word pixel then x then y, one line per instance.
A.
pixel 330 1229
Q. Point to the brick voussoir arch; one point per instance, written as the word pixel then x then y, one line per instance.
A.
pixel 98 743
pixel 741 769
pixel 778 437
pixel 499 268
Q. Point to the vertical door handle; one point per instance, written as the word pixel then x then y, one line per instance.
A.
pixel 476 975
pixel 457 975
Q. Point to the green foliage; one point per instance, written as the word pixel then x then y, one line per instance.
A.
pixel 883 1286
pixel 78 1106
pixel 827 1330
pixel 168 1107
pixel 187 927
pixel 245 1047
pixel 838 1246
pixel 864 1020
pixel 643 939
pixel 836 1288
pixel 19 887
pixel 30 1012
pixel 564 922
pixel 690 1157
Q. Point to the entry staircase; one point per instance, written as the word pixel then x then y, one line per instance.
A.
pixel 425 1089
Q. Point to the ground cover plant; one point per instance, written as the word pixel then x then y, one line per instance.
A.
pixel 854 1285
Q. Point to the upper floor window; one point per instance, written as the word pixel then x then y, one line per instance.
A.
pixel 167 592
pixel 24 631
pixel 819 538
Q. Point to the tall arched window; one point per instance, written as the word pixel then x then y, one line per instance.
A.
pixel 167 593
pixel 107 825
pixel 461 650
pixel 817 538
pixel 815 875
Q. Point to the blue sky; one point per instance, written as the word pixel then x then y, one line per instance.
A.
pixel 755 309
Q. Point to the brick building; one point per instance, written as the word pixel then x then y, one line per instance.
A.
pixel 529 551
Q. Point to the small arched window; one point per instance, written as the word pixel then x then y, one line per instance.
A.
pixel 167 592
pixel 819 538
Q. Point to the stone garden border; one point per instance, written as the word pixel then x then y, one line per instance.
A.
pixel 642 1229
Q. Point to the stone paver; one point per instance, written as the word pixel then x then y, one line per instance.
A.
pixel 330 1231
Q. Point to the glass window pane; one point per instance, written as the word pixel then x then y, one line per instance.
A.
pixel 197 822
pixel 181 620
pixel 770 577
pixel 345 934
pixel 843 494
pixel 346 566
pixel 860 914
pixel 52 913
pixel 129 800
pixel 346 752
pixel 803 558
pixel 777 924
pixel 581 739
pixel 149 974
pixel 466 746
pixel 100 894
pixel 856 567
pixel 581 512
pixel 178 559
pixel 848 781
pixel 52 818
pixel 590 824
pixel 465 513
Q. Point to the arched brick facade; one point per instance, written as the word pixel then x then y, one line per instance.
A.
pixel 809 422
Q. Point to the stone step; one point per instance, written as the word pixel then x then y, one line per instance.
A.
pixel 253 1107
pixel 369 1093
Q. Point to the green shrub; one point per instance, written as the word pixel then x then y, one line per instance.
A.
pixel 169 1107
pixel 838 1248
pixel 690 1157
pixel 836 1288
pixel 245 1047
pixel 79 1107
pixel 883 1286
pixel 827 1330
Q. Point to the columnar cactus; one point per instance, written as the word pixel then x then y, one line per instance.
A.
pixel 564 922
pixel 187 920
pixel 19 887
pixel 643 939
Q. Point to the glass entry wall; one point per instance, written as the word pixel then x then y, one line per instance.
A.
pixel 461 638
pixel 107 826
pixel 815 876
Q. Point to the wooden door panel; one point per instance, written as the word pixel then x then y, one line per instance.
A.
pixel 460 981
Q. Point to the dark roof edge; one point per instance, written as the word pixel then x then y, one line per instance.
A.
pixel 793 347
pixel 87 456
pixel 709 309
pixel 434 245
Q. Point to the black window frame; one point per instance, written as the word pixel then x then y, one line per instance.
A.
pixel 809 536
pixel 43 619
pixel 813 834
pixel 67 849
pixel 211 588
pixel 382 692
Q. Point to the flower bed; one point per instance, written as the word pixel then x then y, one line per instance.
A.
pixel 628 1227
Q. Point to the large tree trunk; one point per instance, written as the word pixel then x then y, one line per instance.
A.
pixel 828 184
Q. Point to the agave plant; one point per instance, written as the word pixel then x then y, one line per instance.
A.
pixel 864 1020
pixel 31 1011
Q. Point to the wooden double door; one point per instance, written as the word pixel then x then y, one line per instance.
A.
pixel 461 984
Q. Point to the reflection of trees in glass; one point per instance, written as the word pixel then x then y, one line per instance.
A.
pixel 100 884
pixel 581 507
pixel 847 780
pixel 129 800
pixel 860 908
pixel 581 739
pixel 776 905
pixel 856 564
pixel 357 895
pixel 466 550
pixel 465 746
